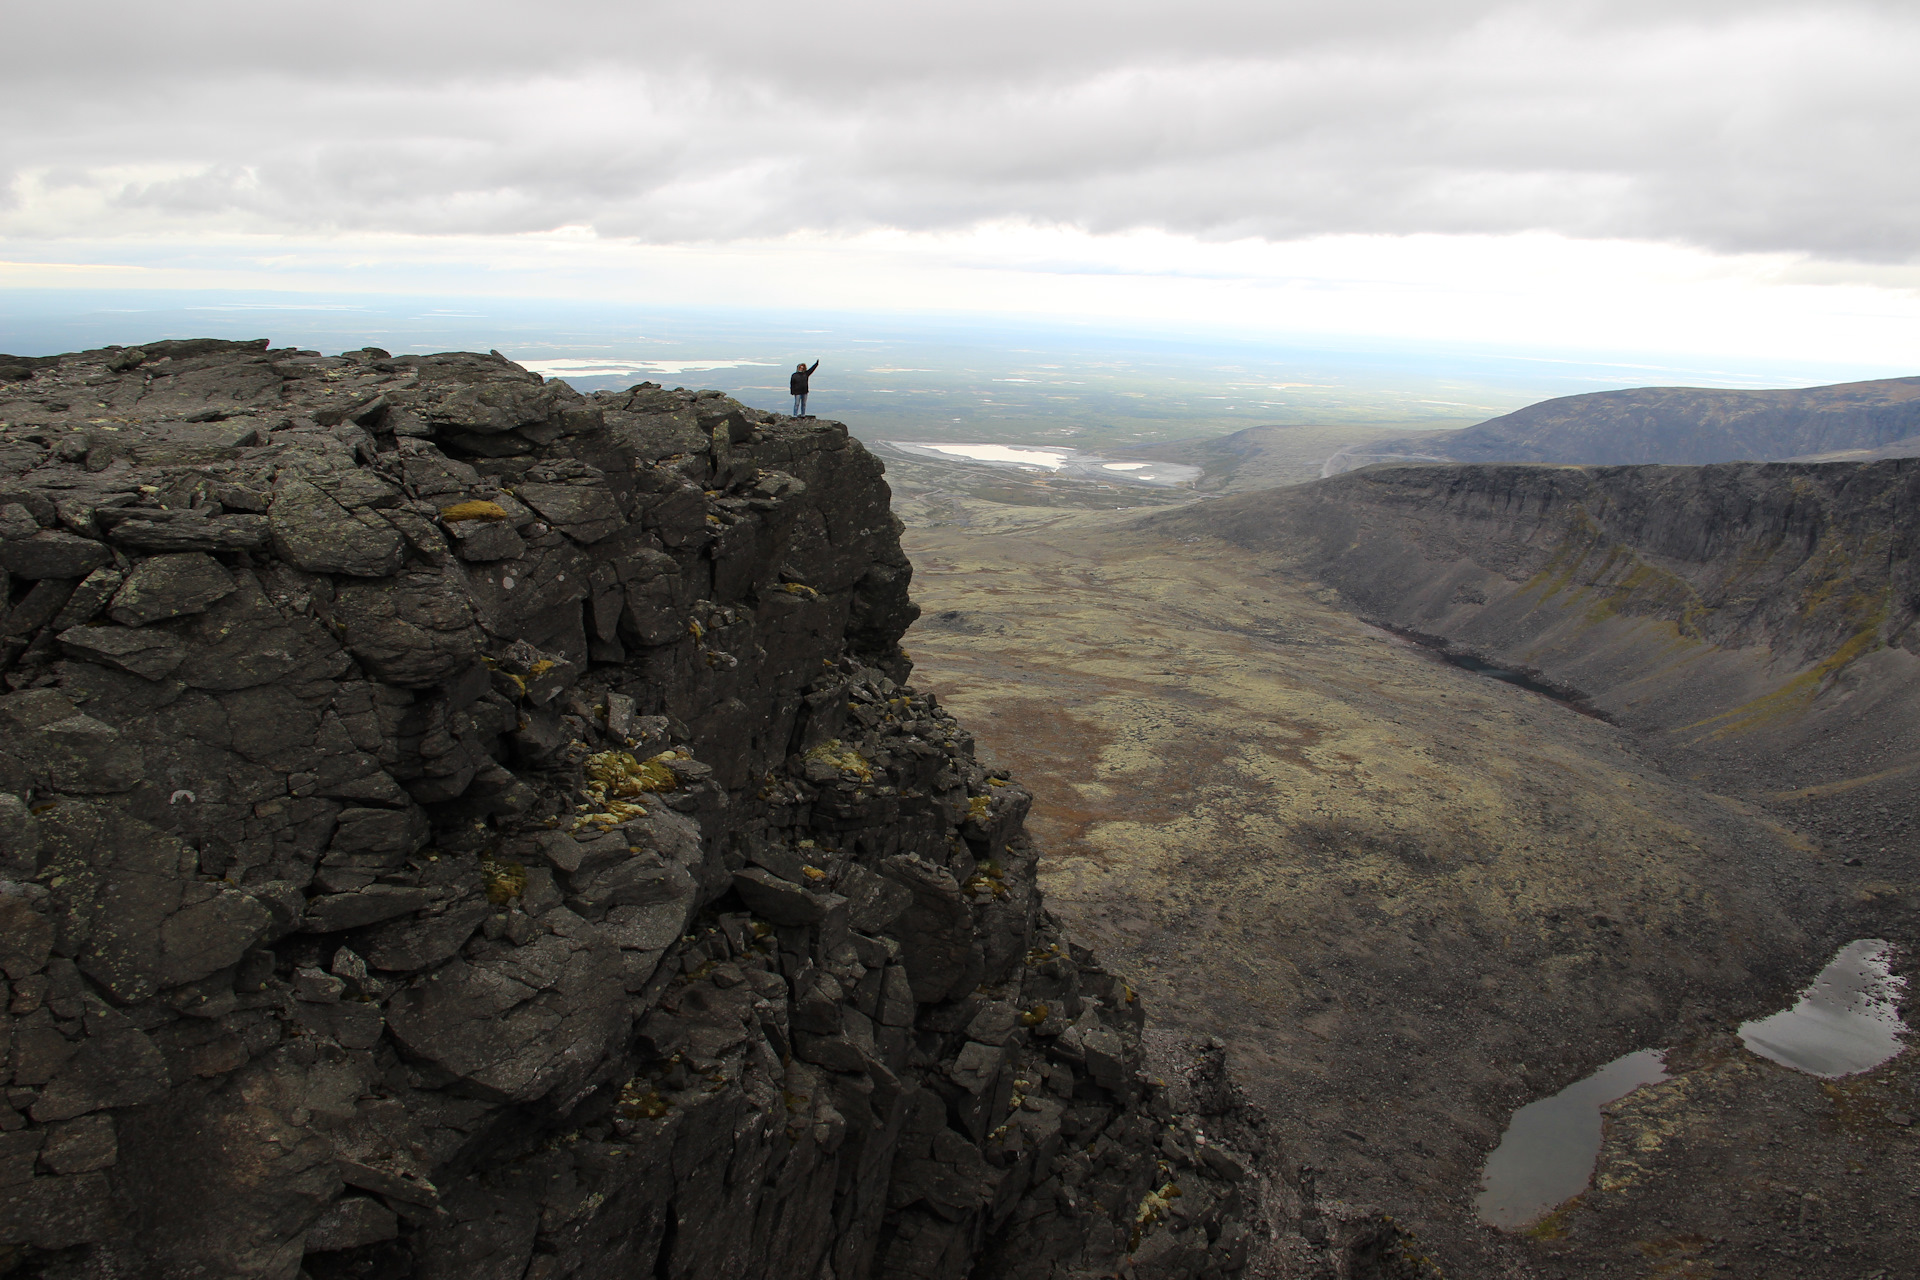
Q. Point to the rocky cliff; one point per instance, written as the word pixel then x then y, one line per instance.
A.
pixel 1757 617
pixel 454 827
pixel 1681 425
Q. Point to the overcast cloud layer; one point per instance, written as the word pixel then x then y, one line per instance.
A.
pixel 1756 125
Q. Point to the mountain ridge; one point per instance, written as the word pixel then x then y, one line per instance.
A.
pixel 1688 426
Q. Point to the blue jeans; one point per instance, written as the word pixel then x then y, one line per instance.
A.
pixel 799 406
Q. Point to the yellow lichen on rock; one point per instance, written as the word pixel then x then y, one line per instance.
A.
pixel 1153 1207
pixel 615 813
pixel 619 773
pixel 505 881
pixel 474 510
pixel 615 779
pixel 842 757
pixel 641 1101
pixel 988 879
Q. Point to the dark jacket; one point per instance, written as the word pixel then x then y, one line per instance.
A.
pixel 797 383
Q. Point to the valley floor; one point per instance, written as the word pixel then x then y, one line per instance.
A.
pixel 1409 898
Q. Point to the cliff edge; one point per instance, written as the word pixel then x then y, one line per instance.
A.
pixel 455 827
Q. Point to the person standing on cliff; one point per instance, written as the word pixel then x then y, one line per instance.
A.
pixel 797 383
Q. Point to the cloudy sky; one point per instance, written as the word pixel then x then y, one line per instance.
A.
pixel 1702 174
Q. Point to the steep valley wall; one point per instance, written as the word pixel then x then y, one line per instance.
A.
pixel 454 827
pixel 1753 620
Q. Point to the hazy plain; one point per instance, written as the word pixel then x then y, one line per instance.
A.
pixel 1007 379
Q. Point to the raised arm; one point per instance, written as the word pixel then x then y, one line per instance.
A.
pixel 816 365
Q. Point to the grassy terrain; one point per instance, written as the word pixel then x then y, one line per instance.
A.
pixel 1410 898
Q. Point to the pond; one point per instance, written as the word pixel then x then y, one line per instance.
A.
pixel 1547 1153
pixel 1053 459
pixel 1845 1022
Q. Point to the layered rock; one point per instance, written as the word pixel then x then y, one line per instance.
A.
pixel 457 827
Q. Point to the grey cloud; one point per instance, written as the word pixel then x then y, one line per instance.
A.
pixel 1749 125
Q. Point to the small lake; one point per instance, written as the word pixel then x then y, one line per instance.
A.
pixel 1847 1021
pixel 1053 459
pixel 1547 1153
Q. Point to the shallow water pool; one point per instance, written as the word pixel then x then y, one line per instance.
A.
pixel 1053 459
pixel 1845 1022
pixel 1547 1153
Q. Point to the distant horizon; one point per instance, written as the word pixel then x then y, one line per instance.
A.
pixel 1095 380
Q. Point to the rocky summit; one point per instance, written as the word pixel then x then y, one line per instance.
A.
pixel 455 827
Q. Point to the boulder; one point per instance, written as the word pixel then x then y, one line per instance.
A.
pixel 80 1146
pixel 584 511
pixel 782 901
pixel 521 1026
pixel 422 942
pixel 51 553
pixel 169 586
pixel 88 599
pixel 116 1065
pixel 191 531
pixel 151 655
pixel 314 532
pixel 414 630
pixel 26 938
pixel 56 1213
pixel 127 896
pixel 935 930
pixel 49 745
pixel 333 912
pixel 873 901
pixel 352 1222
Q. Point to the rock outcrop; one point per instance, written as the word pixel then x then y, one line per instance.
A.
pixel 452 826
pixel 1677 425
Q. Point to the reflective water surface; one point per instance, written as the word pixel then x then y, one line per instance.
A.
pixel 1547 1153
pixel 1847 1021
pixel 1057 459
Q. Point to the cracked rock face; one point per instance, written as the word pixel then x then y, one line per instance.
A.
pixel 452 826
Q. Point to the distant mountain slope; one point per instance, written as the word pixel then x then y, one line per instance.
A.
pixel 1676 425
pixel 1764 618
pixel 1221 457
pixel 1265 456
